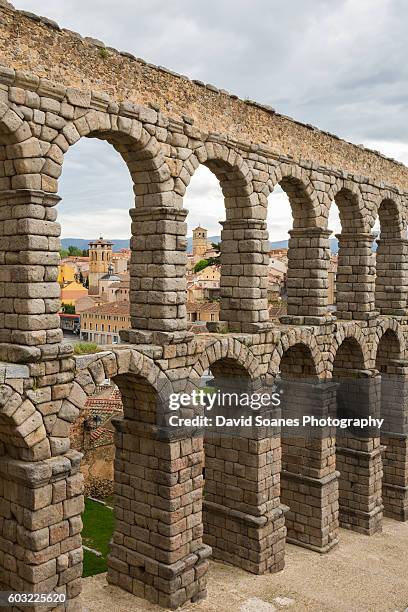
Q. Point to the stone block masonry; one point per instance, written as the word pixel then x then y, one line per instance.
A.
pixel 185 497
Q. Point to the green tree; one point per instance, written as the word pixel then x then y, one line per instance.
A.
pixel 204 263
pixel 216 246
pixel 201 265
pixel 63 253
pixel 74 251
pixel 68 308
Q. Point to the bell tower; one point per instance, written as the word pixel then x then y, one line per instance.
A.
pixel 100 257
pixel 200 243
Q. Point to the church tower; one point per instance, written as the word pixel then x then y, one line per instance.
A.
pixel 100 257
pixel 200 243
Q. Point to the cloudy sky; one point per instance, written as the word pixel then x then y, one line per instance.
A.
pixel 339 65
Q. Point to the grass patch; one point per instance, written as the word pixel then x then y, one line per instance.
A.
pixel 96 534
pixel 93 565
pixel 86 348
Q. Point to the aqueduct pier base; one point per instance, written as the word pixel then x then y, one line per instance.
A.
pixel 56 88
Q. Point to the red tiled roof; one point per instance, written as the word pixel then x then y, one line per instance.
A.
pixel 203 306
pixel 110 308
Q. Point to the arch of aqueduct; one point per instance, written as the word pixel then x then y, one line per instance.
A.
pixel 56 88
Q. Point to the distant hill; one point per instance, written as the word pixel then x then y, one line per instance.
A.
pixel 279 244
pixel 83 243
pixel 119 244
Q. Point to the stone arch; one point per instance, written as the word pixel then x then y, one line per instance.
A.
pixel 389 345
pixel 306 453
pixel 92 370
pixel 299 338
pixel 22 431
pixel 121 367
pixel 140 150
pixel 355 263
pixel 351 341
pixel 243 237
pixel 392 324
pixel 297 363
pixel 233 174
pixel 296 183
pixel 348 198
pixel 390 212
pixel 155 218
pixel 357 396
pixel 391 267
pixel 142 454
pixel 308 250
pixel 226 349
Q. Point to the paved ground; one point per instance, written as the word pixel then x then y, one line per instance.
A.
pixel 364 574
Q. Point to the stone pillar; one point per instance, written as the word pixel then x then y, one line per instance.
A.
pixel 392 276
pixel 157 274
pixel 244 521
pixel 157 551
pixel 355 281
pixel 30 295
pixel 309 481
pixel 358 452
pixel 244 275
pixel 394 438
pixel 40 517
pixel 307 281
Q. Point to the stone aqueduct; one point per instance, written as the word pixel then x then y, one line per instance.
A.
pixel 56 88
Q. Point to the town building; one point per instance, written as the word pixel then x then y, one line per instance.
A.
pixel 102 324
pixel 118 291
pixel 121 260
pixel 73 292
pixel 203 311
pixel 200 242
pixel 106 280
pixel 86 302
pixel 204 285
pixel 71 268
pixel 280 253
pixel 70 323
pixel 100 256
pixel 67 273
pixel 202 248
